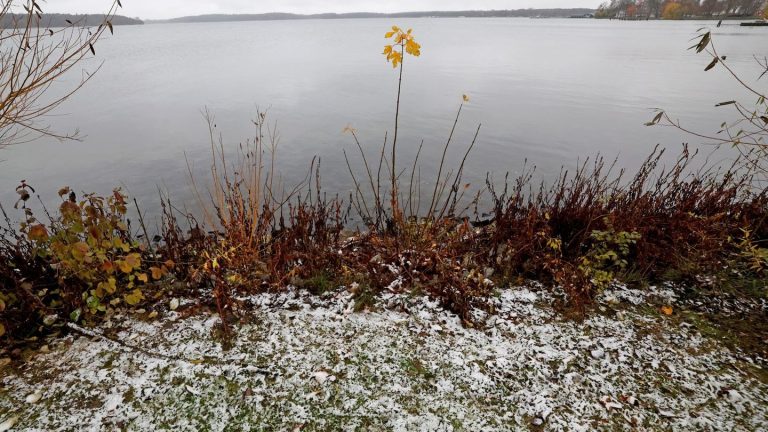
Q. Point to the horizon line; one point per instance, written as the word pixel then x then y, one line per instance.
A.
pixel 360 12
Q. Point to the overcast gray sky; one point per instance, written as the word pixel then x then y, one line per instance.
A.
pixel 150 9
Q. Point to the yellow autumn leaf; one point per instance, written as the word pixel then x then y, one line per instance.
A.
pixel 170 264
pixel 215 263
pixel 80 250
pixel 111 285
pixel 234 278
pixel 133 260
pixel 157 273
pixel 142 277
pixel 412 48
pixel 117 243
pixel 38 233
pixel 124 267
pixel 134 298
pixel 666 310
pixel 108 267
pixel 406 42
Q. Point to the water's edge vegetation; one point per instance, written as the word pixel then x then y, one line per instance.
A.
pixel 583 232
pixel 587 230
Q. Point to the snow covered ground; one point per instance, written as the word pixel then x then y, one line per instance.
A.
pixel 303 363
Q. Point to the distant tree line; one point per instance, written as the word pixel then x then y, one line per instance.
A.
pixel 679 9
pixel 525 13
pixel 53 20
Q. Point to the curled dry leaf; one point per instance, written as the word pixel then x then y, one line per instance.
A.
pixel 35 397
pixel 9 423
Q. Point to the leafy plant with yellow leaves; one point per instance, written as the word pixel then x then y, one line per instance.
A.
pixel 403 43
pixel 90 245
pixel 609 253
pixel 402 40
pixel 752 252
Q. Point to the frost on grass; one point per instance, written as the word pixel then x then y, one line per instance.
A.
pixel 305 363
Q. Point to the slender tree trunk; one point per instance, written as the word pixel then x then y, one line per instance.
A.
pixel 394 204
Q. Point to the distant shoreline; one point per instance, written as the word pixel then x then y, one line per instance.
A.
pixel 279 16
pixel 519 13
pixel 694 18
pixel 52 20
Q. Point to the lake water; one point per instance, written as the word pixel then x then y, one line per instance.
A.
pixel 549 91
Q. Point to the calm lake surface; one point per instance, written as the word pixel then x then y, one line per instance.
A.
pixel 549 91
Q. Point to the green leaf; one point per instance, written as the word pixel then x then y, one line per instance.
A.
pixel 93 303
pixel 75 315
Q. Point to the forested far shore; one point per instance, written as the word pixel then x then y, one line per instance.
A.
pixel 682 9
pixel 543 13
pixel 64 20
